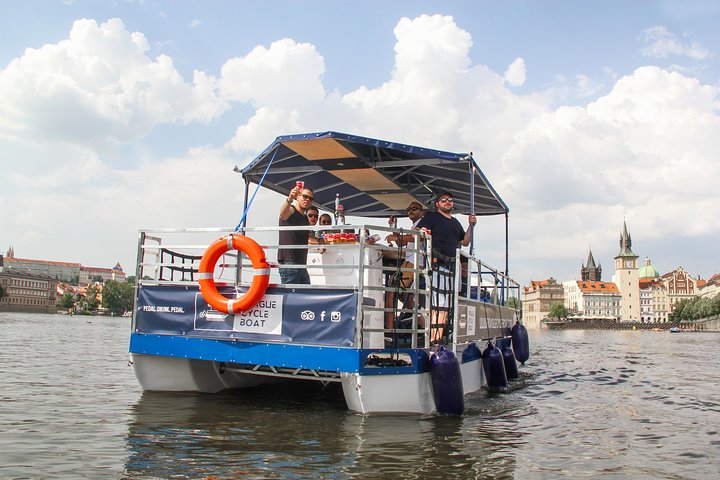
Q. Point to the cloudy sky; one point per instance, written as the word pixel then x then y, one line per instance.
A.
pixel 121 115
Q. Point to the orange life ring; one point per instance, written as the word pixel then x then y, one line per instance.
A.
pixel 260 281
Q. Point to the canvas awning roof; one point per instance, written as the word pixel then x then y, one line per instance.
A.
pixel 373 178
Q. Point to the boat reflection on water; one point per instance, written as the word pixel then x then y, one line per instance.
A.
pixel 429 447
pixel 307 432
pixel 254 433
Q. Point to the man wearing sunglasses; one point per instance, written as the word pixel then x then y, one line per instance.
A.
pixel 312 213
pixel 447 236
pixel 447 233
pixel 292 213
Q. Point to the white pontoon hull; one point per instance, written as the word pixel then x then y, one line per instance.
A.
pixel 394 393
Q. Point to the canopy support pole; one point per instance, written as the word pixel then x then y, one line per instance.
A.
pixel 507 248
pixel 471 168
pixel 245 201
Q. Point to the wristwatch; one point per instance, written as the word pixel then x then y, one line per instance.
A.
pixel 288 201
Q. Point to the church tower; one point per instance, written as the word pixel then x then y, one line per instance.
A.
pixel 626 279
pixel 589 272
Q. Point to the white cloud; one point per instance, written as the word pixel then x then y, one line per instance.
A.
pixel 661 114
pixel 661 43
pixel 586 86
pixel 252 136
pixel 435 96
pixel 430 44
pixel 516 72
pixel 284 75
pixel 580 87
pixel 78 165
pixel 98 87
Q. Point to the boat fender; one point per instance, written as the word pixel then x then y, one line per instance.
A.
pixel 472 352
pixel 520 342
pixel 446 382
pixel 511 369
pixel 261 270
pixel 494 367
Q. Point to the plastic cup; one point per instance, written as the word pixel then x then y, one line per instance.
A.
pixel 300 184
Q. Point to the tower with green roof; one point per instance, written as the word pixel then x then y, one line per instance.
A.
pixel 648 270
pixel 648 275
pixel 626 279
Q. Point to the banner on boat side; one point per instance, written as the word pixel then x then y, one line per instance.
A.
pixel 483 320
pixel 313 316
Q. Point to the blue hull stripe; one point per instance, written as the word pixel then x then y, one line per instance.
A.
pixel 278 355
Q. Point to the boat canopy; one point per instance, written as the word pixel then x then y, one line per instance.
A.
pixel 373 178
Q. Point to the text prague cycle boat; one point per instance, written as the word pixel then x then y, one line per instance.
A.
pixel 211 314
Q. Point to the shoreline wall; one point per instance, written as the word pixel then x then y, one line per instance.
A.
pixel 706 325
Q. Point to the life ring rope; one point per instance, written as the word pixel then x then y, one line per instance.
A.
pixel 261 273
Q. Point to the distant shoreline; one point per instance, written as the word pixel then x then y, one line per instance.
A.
pixel 615 325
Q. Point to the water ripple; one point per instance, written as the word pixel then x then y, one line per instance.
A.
pixel 587 405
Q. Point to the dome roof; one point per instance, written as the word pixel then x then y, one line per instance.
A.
pixel 648 271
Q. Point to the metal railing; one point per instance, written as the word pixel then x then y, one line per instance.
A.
pixel 395 297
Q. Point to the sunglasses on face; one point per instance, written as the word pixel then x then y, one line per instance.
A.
pixel 307 197
pixel 313 215
pixel 446 200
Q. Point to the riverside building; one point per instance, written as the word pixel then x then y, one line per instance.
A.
pixel 671 288
pixel 68 272
pixel 590 272
pixel 711 287
pixel 647 277
pixel 592 300
pixel 87 274
pixel 64 271
pixel 538 297
pixel 36 285
pixel 25 291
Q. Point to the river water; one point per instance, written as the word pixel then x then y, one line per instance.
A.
pixel 589 404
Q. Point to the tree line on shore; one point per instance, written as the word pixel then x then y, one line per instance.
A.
pixel 117 298
pixel 688 309
pixel 695 309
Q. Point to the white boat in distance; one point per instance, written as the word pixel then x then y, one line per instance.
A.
pixel 355 323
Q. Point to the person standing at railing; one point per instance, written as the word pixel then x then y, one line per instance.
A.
pixel 447 232
pixel 447 236
pixel 415 212
pixel 292 213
